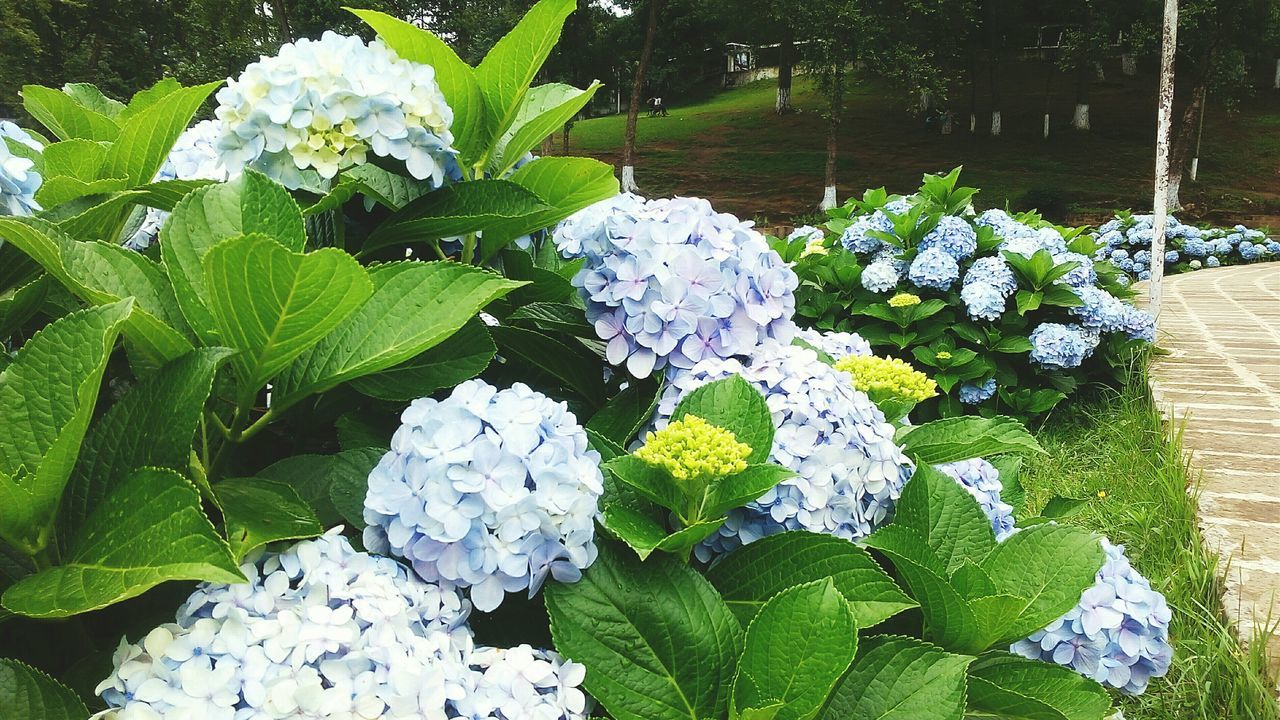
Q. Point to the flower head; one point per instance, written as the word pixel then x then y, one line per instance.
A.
pixel 992 270
pixel 193 157
pixel 982 480
pixel 1058 346
pixel 904 300
pixel 880 277
pixel 19 179
pixel 835 344
pixel 983 301
pixel 693 449
pixel 974 393
pixel 934 269
pixel 878 376
pixel 488 489
pixel 523 683
pixel 954 236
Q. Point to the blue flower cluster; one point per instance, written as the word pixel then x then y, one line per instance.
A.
pixel 1060 347
pixel 672 282
pixel 982 480
pixel 849 471
pixel 323 631
pixel 319 106
pixel 193 157
pixel 934 268
pixel 19 179
pixel 1126 242
pixel 835 344
pixel 488 489
pixel 954 236
pixel 857 237
pixel 974 393
pixel 1118 634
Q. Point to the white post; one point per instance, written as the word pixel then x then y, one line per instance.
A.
pixel 995 123
pixel 1046 126
pixel 1277 82
pixel 1164 121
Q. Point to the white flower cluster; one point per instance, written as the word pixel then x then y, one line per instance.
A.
pixel 323 104
pixel 323 631
pixel 491 489
pixel 835 344
pixel 850 472
pixel 19 179
pixel 193 157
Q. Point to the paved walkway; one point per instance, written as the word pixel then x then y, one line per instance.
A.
pixel 1222 329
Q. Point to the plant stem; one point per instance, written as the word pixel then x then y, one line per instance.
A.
pixel 469 248
pixel 257 426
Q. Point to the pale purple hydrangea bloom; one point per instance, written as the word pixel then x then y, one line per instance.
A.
pixel 672 282
pixel 522 683
pixel 1118 634
pixel 19 179
pixel 850 472
pixel 982 480
pixel 489 489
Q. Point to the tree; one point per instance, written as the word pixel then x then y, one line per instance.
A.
pixel 637 98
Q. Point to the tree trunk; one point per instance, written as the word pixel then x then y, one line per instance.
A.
pixel 1277 81
pixel 786 53
pixel 564 138
pixel 1128 64
pixel 1180 149
pixel 1080 119
pixel 833 131
pixel 637 99
pixel 996 129
pixel 280 9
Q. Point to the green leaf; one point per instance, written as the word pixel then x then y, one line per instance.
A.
pixel 657 640
pixel 65 117
pixel 553 317
pixel 46 400
pixel 454 210
pixel 545 109
pixel 737 490
pixel 1011 492
pixel 90 97
pixel 249 204
pixel 28 694
pixel 752 574
pixel 628 411
pixel 963 438
pixel 568 362
pixel 58 190
pixel 564 184
pixel 509 67
pixel 457 80
pixel 1061 296
pixel 146 137
pixel 1028 300
pixel 900 678
pixel 21 304
pixel 644 533
pixel 77 159
pixel 272 304
pixel 1059 507
pixel 462 356
pixel 313 477
pixel 168 404
pixel 735 405
pixel 149 529
pixel 166 194
pixel 652 482
pixel 258 511
pixel 1014 687
pixel 1049 566
pixel 949 519
pixel 149 96
pixel 389 189
pixel 414 307
pixel 795 650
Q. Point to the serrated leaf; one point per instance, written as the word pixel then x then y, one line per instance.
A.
pixel 461 356
pixel 569 362
pixel 414 307
pixel 388 189
pixel 58 190
pixel 455 210
pixel 644 533
pixel 553 317
pixel 963 438
pixel 77 159
pixel 949 519
pixel 149 529
pixel 272 305
pixel 752 574
pixel 166 194
pixel 628 411
pixel 795 650
pixel 47 397
pixel 654 483
pixel 1049 566
pixel 657 641
pixel 564 184
pixel 65 117
pixel 900 678
pixel 737 490
pixel 89 96
pixel 146 137
pixel 314 476
pixel 735 405
pixel 1020 689
pixel 28 694
pixel 257 512
pixel 21 304
pixel 1011 492
pixel 545 109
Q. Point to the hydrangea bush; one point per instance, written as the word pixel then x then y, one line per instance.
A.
pixel 1009 314
pixel 1125 242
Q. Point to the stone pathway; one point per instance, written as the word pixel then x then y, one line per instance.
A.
pixel 1222 376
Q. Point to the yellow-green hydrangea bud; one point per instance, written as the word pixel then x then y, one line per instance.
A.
pixel 814 247
pixel 942 355
pixel 887 376
pixel 693 449
pixel 904 300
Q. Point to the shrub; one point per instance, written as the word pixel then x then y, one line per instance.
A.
pixel 1125 242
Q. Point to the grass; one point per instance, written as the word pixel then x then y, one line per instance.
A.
pixel 1113 447
pixel 735 151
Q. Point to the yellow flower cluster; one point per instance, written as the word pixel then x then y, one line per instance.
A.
pixel 814 247
pixel 891 376
pixel 692 448
pixel 904 300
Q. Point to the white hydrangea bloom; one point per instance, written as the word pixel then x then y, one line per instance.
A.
pixel 524 683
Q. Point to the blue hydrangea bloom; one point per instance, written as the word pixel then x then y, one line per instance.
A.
pixel 1080 276
pixel 1142 256
pixel 850 472
pixel 880 277
pixel 1101 310
pixel 993 270
pixel 972 394
pixel 1058 346
pixel 19 179
pixel 983 301
pixel 671 282
pixel 1138 324
pixel 806 233
pixel 193 157
pixel 934 269
pixel 1118 634
pixel 1212 262
pixel 1273 247
pixel 892 256
pixel 1143 274
pixel 856 237
pixel 954 236
pixel 488 489
pixel 835 344
pixel 1195 247
pixel 1250 252
pixel 1171 257
pixel 982 480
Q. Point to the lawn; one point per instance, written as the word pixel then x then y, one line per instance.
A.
pixel 735 151
pixel 1114 448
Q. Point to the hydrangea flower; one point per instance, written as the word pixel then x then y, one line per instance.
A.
pixel 953 236
pixel 814 240
pixel 972 394
pixel 835 344
pixel 887 376
pixel 523 683
pixel 1118 634
pixel 983 301
pixel 19 179
pixel 193 157
pixel 879 277
pixel 904 300
pixel 1212 262
pixel 489 489
pixel 323 105
pixel 1080 276
pixel 1057 346
pixel 993 270
pixel 1194 265
pixel 1138 324
pixel 934 269
pixel 1171 257
pixel 850 472
pixel 857 237
pixel 1101 310
pixel 693 449
pixel 320 630
pixel 982 480
pixel 671 282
